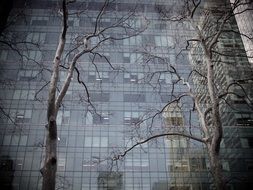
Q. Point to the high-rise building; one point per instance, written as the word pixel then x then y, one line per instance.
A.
pixel 244 21
pixel 129 80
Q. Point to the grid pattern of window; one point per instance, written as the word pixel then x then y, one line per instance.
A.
pixel 125 94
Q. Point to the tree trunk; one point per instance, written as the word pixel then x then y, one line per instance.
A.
pixel 217 131
pixel 216 169
pixel 50 164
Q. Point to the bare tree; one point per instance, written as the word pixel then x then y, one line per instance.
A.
pixel 83 46
pixel 210 26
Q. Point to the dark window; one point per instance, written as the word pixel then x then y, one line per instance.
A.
pixel 244 121
pixel 39 22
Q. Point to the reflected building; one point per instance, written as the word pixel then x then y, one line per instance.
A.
pixel 139 84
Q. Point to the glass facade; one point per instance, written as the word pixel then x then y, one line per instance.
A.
pixel 125 96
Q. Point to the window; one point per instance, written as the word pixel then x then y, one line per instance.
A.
pixel 102 118
pixel 132 41
pixel 247 142
pixel 24 94
pixel 179 165
pixel 104 22
pixel 98 76
pixel 89 118
pixel 15 140
pixel 19 164
pixel 134 98
pixel 23 140
pixel 7 140
pixel 51 38
pixel 73 22
pixel 197 164
pixel 244 121
pixel 130 142
pixel 133 77
pixel 176 142
pixel 173 115
pixel 249 165
pixel 126 57
pixel 23 116
pixel 27 75
pixel 132 58
pixel 3 55
pixel 63 75
pixel 32 55
pixel 39 21
pixel 6 165
pixel 96 141
pixel 165 41
pixel 63 117
pixel 100 97
pixel 136 162
pixel 109 180
pixel 61 164
pixel 62 141
pixel 131 117
pixel 180 188
pixel 36 37
pixel 165 78
pixel 225 166
pixel 134 23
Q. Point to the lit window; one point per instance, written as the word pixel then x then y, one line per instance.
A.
pixel 179 165
pixel 176 142
pixel 173 115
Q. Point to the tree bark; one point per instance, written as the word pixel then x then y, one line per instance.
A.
pixel 217 134
pixel 50 164
pixel 216 169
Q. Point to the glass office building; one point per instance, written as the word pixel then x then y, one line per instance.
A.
pixel 136 85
